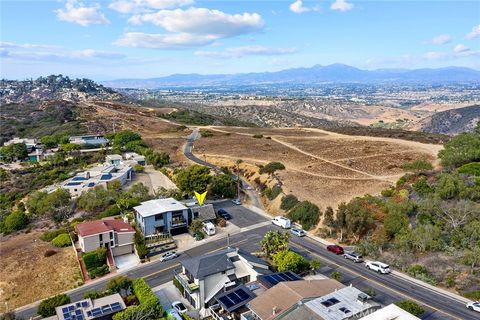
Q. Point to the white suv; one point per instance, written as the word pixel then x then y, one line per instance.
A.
pixel 377 266
pixel 474 306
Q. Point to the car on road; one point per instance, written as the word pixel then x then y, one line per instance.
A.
pixel 378 266
pixel 237 201
pixel 224 214
pixel 298 232
pixel 474 306
pixel 335 249
pixel 355 257
pixel 179 306
pixel 168 256
pixel 283 222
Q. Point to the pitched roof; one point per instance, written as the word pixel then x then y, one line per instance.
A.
pixel 89 228
pixel 203 266
pixel 205 212
pixel 286 294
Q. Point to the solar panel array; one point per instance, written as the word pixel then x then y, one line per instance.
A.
pixel 104 310
pixel 74 311
pixel 237 297
pixel 272 279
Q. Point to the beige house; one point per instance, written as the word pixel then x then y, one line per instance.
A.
pixel 113 234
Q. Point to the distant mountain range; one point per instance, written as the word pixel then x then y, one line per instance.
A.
pixel 334 73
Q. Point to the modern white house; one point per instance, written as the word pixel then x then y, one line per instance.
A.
pixel 139 159
pixel 206 277
pixel 162 216
pixel 113 234
pixel 89 140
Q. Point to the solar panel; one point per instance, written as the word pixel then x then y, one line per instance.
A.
pixel 116 306
pixel 64 310
pixel 226 302
pixel 242 294
pixel 84 304
pixel 78 312
pixel 96 312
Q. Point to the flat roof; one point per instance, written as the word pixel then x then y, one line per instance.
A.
pixel 390 312
pixel 156 206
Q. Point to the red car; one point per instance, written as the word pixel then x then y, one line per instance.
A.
pixel 335 249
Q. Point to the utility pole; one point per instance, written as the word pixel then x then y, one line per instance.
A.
pixel 228 240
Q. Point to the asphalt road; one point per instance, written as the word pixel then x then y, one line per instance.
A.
pixel 388 288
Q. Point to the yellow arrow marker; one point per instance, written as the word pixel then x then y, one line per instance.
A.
pixel 200 197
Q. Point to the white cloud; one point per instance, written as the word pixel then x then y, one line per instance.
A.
pixel 299 7
pixel 341 5
pixel 474 33
pixel 189 28
pixel 131 6
pixel 203 21
pixel 76 12
pixel 441 39
pixel 238 52
pixel 460 48
pixel 26 45
pixel 163 41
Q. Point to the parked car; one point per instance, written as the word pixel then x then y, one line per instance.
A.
pixel 179 306
pixel 283 222
pixel 355 257
pixel 224 214
pixel 209 228
pixel 378 266
pixel 168 256
pixel 298 232
pixel 174 314
pixel 474 306
pixel 335 249
pixel 237 201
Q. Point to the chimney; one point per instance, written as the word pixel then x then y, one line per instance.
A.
pixel 274 310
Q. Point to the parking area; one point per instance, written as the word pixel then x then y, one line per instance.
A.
pixel 241 216
pixel 167 294
pixel 126 261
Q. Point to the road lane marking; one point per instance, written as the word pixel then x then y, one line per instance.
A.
pixel 298 246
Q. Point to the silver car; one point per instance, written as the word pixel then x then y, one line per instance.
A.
pixel 298 232
pixel 168 256
pixel 355 257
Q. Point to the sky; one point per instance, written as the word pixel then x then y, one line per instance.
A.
pixel 114 39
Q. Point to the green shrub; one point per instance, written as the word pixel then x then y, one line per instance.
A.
pixel 95 258
pixel 387 193
pixel 138 168
pixel 111 211
pixel 288 202
pixel 306 213
pixel 140 245
pixel 272 193
pixel 47 306
pixel 15 221
pixel 335 275
pixel 50 235
pixel 146 297
pixel 418 166
pixel 411 306
pixel 290 261
pixel 271 167
pixel 98 271
pixel 62 240
pixel 422 187
pixel 472 169
pixel 206 133
pixel 96 294
pixel 474 295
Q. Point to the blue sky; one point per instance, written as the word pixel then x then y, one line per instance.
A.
pixel 110 39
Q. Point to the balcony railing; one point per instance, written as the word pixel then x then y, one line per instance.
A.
pixel 178 223
pixel 189 285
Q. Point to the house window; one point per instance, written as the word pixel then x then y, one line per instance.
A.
pixel 158 217
pixel 111 243
pixel 100 237
pixel 111 235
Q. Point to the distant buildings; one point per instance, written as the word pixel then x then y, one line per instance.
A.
pixel 30 143
pixel 102 308
pixel 89 140
pixel 99 175
pixel 113 234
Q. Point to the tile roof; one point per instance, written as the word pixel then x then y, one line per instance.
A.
pixel 101 226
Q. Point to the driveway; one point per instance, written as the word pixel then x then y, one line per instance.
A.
pixel 241 216
pixel 126 261
pixel 168 293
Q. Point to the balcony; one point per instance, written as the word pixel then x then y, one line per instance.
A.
pixel 217 312
pixel 189 285
pixel 177 222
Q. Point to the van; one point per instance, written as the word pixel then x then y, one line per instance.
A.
pixel 283 222
pixel 209 228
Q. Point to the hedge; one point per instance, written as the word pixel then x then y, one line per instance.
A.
pixel 306 213
pixel 288 202
pixel 98 271
pixel 62 240
pixel 95 258
pixel 47 306
pixel 149 307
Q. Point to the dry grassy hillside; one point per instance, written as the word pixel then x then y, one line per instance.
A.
pixel 323 167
